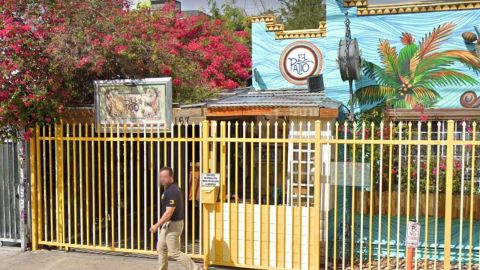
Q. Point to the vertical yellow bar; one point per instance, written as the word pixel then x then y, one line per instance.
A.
pixel 193 192
pixel 59 183
pixel 152 185
pixel 236 166
pixel 427 191
pixel 390 153
pixel 352 225
pixel 99 170
pixel 335 202
pixel 165 163
pixel 205 169
pixel 125 200
pixel 87 184
pixel 112 188
pixel 236 190
pixel 472 188
pixel 297 224
pixel 69 193
pixel 284 161
pixel 284 190
pixel 448 192
pixel 40 182
pixel 138 186
pixel 92 145
pixel 50 176
pixel 317 193
pixel 99 178
pixel 300 169
pixel 437 181
pixel 409 162
pixel 223 172
pixel 33 191
pixel 75 214
pixel 372 164
pixel 267 180
pixel 252 195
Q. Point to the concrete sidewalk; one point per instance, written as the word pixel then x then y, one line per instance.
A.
pixel 13 259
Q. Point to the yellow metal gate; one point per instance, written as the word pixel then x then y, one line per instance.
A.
pixel 268 214
pixel 293 195
pixel 95 187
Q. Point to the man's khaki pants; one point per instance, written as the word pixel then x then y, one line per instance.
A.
pixel 169 242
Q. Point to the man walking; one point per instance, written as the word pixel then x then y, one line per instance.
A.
pixel 171 223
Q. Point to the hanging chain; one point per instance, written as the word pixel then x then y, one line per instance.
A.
pixel 348 39
pixel 348 64
pixel 348 34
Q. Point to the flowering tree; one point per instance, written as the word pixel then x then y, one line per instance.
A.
pixel 53 50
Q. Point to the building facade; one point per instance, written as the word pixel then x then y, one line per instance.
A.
pixel 370 25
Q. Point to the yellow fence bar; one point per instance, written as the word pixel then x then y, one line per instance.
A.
pixel 59 184
pixel 95 188
pixel 317 202
pixel 448 192
pixel 205 169
pixel 33 185
pixel 472 181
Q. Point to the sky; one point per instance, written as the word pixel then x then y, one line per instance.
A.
pixel 252 7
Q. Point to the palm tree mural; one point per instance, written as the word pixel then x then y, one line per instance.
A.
pixel 409 78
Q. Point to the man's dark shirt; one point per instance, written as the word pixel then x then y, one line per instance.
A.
pixel 172 197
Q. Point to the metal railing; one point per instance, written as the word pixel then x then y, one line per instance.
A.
pixel 9 184
pixel 95 187
pixel 296 195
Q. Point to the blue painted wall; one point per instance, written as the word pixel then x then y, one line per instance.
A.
pixel 368 30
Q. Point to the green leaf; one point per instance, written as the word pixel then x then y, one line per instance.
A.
pixel 379 75
pixel 423 93
pixel 398 103
pixel 446 77
pixel 432 62
pixel 373 94
pixel 404 57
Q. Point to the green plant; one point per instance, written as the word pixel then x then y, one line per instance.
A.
pixel 410 77
pixel 302 14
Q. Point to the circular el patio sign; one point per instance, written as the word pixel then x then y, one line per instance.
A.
pixel 299 61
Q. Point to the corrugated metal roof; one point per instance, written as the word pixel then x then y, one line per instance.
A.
pixel 275 98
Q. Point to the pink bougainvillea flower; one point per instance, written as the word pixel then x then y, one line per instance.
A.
pixel 83 61
pixel 27 134
pixel 167 71
pixel 120 49
pixel 177 82
pixel 423 118
pixel 54 52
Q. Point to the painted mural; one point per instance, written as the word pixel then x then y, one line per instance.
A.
pixel 437 36
pixel 409 77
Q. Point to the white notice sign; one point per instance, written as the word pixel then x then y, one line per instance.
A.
pixel 413 234
pixel 210 179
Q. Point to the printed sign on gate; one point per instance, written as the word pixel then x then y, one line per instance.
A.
pixel 413 234
pixel 210 179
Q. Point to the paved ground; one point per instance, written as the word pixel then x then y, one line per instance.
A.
pixel 13 259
